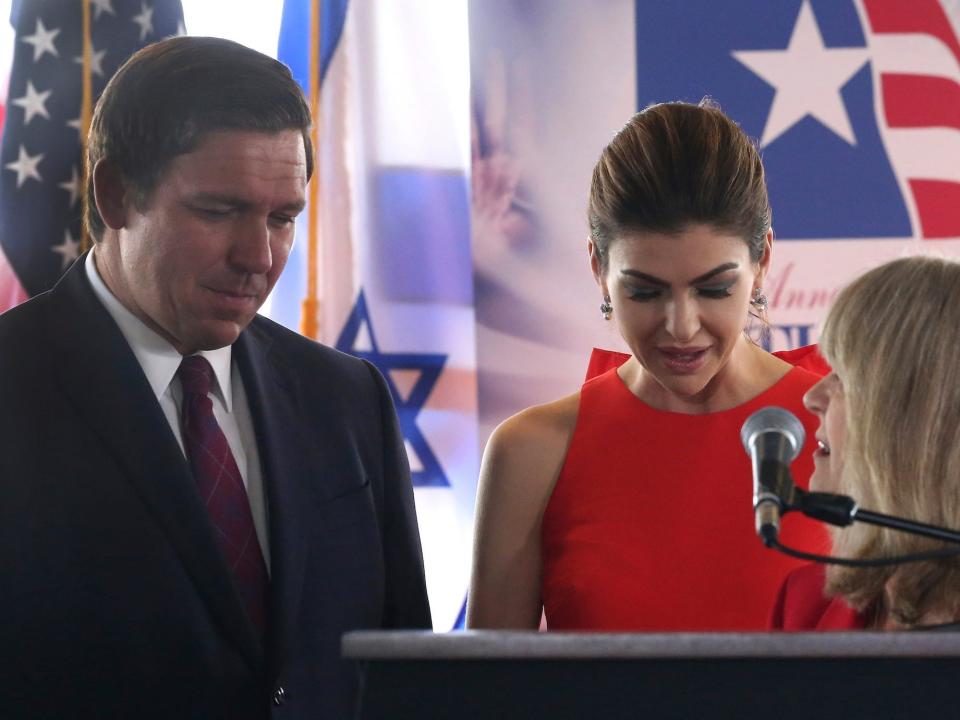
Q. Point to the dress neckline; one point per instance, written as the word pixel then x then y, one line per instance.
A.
pixel 762 398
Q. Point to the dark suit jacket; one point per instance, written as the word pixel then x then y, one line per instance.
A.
pixel 114 597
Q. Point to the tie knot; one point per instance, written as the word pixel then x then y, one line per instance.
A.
pixel 196 375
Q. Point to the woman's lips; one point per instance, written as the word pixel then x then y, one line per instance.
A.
pixel 683 361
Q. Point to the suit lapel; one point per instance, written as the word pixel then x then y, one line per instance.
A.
pixel 272 393
pixel 106 384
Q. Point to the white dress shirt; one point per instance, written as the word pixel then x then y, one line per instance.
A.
pixel 160 362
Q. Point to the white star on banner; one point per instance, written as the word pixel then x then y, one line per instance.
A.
pixel 96 60
pixel 72 186
pixel 33 103
pixel 69 249
pixel 25 166
pixel 76 124
pixel 102 6
pixel 144 20
pixel 808 78
pixel 42 41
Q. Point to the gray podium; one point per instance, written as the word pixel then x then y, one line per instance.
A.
pixel 811 676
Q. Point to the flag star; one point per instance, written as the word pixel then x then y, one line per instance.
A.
pixel 72 186
pixel 69 249
pixel 25 166
pixel 77 125
pixel 815 89
pixel 102 6
pixel 33 103
pixel 96 60
pixel 144 20
pixel 42 41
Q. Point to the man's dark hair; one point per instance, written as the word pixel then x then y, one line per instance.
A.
pixel 166 97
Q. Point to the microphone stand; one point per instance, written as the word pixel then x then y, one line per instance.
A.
pixel 842 510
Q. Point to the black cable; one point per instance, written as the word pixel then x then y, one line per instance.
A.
pixel 870 562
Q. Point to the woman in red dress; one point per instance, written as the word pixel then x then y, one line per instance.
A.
pixel 627 505
pixel 889 437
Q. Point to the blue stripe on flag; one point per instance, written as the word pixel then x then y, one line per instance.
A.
pixel 421 235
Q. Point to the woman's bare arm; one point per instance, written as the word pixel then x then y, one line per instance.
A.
pixel 520 466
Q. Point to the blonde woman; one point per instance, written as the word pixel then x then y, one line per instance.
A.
pixel 890 438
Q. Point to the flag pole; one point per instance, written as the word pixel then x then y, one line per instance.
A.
pixel 310 310
pixel 86 110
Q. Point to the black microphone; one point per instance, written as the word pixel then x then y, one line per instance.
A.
pixel 772 438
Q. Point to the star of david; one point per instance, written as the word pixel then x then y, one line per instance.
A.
pixel 427 472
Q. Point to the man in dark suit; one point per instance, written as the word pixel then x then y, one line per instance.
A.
pixel 195 503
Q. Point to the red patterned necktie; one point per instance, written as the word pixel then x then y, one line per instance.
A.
pixel 221 487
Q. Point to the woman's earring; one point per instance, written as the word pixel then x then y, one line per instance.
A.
pixel 759 300
pixel 606 309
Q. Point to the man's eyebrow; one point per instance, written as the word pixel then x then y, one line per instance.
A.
pixel 653 280
pixel 234 201
pixel 294 207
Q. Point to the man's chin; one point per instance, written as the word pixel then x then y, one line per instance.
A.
pixel 215 336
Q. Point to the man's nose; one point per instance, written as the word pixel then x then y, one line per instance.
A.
pixel 251 251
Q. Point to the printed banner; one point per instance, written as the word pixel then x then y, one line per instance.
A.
pixel 855 106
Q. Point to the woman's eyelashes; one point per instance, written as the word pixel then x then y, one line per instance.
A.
pixel 716 292
pixel 711 292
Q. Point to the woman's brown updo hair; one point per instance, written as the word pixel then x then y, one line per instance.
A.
pixel 676 164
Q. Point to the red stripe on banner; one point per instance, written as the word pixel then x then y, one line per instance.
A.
pixel 921 101
pixel 11 291
pixel 938 205
pixel 917 16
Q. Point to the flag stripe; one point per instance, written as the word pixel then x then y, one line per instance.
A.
pixel 917 16
pixel 11 291
pixel 937 203
pixel 917 59
pixel 912 101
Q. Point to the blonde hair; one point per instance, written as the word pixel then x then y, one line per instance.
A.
pixel 893 338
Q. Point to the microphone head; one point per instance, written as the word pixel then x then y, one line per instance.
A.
pixel 777 420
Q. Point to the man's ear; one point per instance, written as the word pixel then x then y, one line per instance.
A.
pixel 110 194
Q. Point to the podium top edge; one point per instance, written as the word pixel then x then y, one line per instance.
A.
pixel 528 645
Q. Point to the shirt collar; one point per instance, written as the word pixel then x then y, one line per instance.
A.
pixel 158 358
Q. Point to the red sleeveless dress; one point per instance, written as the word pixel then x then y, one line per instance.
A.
pixel 801 605
pixel 650 526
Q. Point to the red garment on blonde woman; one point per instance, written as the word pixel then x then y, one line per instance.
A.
pixel 801 604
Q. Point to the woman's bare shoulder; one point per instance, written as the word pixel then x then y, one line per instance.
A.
pixel 526 451
pixel 538 430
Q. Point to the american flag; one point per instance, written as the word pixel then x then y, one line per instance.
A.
pixel 40 157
